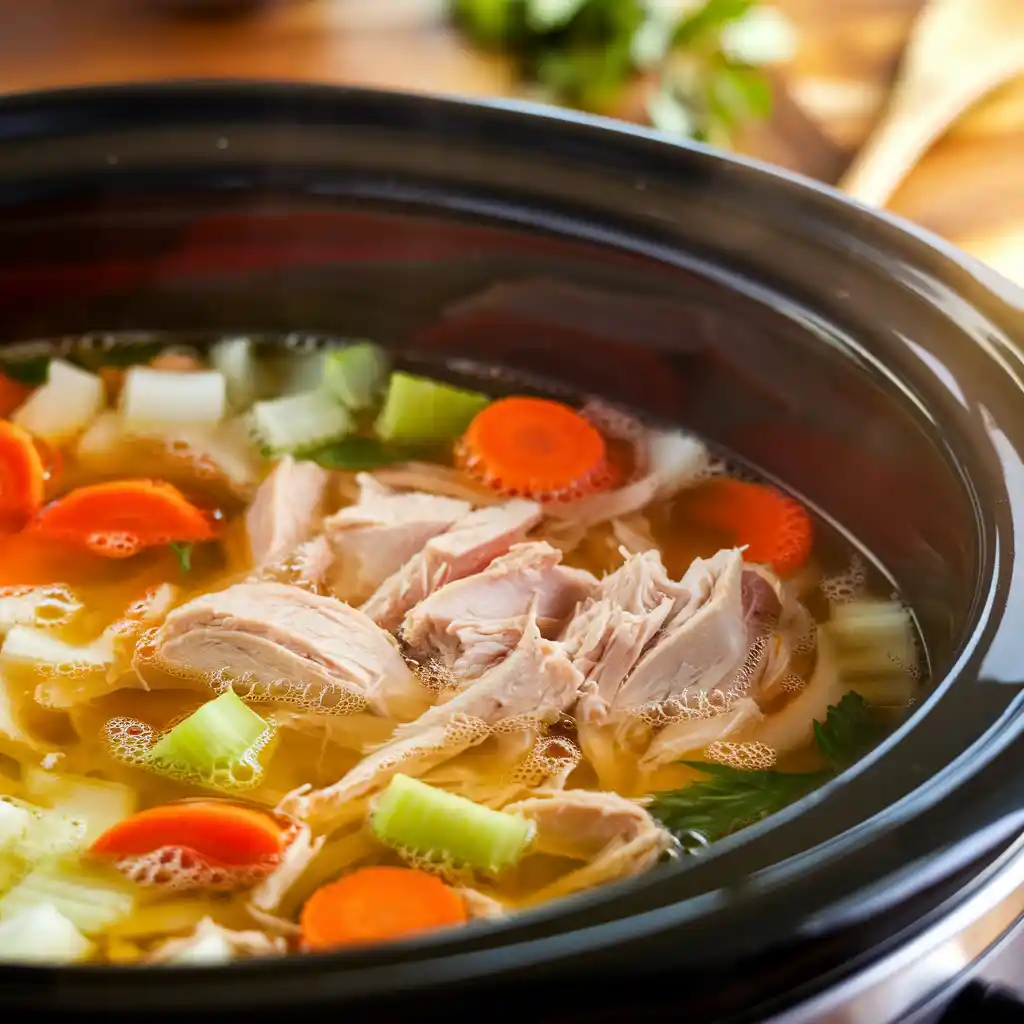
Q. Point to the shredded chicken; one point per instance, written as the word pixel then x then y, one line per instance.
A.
pixel 535 684
pixel 365 543
pixel 267 897
pixel 616 837
pixel 212 944
pixel 470 624
pixel 473 542
pixel 286 510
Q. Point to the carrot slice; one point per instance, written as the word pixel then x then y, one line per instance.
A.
pixel 376 905
pixel 22 477
pixel 776 529
pixel 12 394
pixel 222 833
pixel 121 518
pixel 535 448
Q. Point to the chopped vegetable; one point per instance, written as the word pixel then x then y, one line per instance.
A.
pixel 184 553
pixel 420 410
pixel 166 396
pixel 215 736
pixel 378 904
pixel 355 453
pixel 732 798
pixel 27 646
pixel 47 833
pixel 41 934
pixel 15 821
pixel 431 823
pixel 64 406
pixel 221 832
pixel 235 360
pixel 535 448
pixel 874 639
pixel 22 477
pixel 90 896
pixel 299 422
pixel 96 803
pixel 776 529
pixel 121 518
pixel 356 375
pixel 12 394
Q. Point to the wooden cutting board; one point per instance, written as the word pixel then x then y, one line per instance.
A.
pixel 970 188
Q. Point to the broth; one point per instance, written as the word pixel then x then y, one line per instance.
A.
pixel 265 605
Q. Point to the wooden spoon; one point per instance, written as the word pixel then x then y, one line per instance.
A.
pixel 959 50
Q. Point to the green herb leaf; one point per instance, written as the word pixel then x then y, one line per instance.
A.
pixel 546 15
pixel 32 372
pixel 184 553
pixel 355 453
pixel 848 732
pixel 708 20
pixel 730 799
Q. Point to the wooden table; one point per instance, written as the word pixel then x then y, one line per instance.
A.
pixel 970 188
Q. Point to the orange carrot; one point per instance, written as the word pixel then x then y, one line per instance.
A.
pixel 12 394
pixel 776 529
pixel 22 477
pixel 535 448
pixel 121 518
pixel 222 833
pixel 376 905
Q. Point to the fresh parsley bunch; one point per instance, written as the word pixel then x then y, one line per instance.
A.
pixel 700 60
pixel 731 798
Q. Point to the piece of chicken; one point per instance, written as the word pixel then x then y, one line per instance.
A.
pixel 534 685
pixel 365 543
pixel 616 837
pixel 471 543
pixel 470 624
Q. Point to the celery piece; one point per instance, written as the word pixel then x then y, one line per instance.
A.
pixel 235 359
pixel 418 409
pixel 64 406
pixel 356 375
pixel 15 821
pixel 299 422
pixel 41 934
pixel 163 396
pixel 217 734
pixel 96 803
pixel 440 826
pixel 26 646
pixel 91 897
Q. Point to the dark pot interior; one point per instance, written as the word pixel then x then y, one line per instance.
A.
pixel 872 373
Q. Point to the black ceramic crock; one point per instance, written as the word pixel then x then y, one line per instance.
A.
pixel 871 368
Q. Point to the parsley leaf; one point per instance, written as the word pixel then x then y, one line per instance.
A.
pixel 694 78
pixel 730 798
pixel 184 553
pixel 848 731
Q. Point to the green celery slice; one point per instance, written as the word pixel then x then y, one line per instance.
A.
pixel 356 375
pixel 217 734
pixel 449 829
pixel 418 409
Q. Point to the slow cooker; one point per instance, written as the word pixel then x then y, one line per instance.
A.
pixel 872 368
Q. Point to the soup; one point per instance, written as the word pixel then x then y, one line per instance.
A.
pixel 303 649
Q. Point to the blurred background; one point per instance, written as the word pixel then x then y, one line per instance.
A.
pixel 801 83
